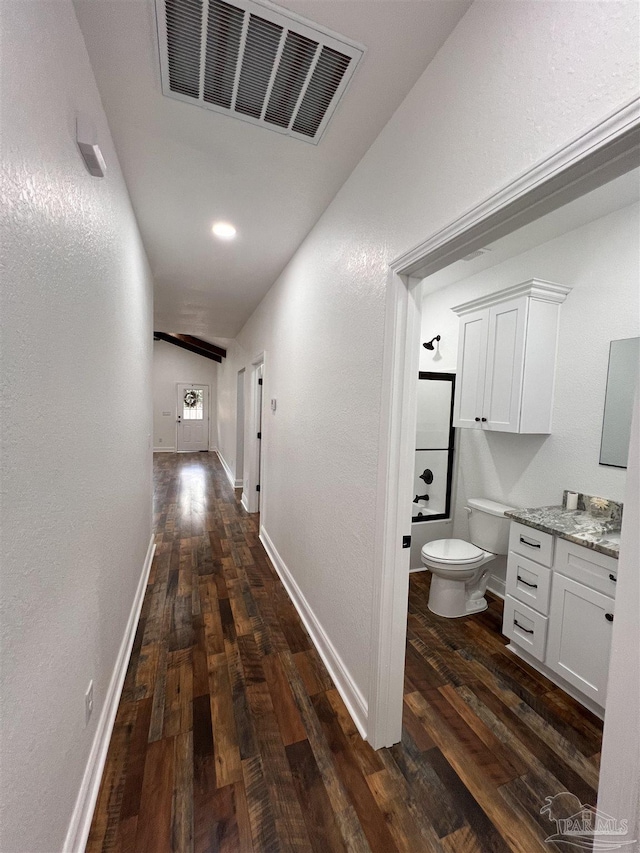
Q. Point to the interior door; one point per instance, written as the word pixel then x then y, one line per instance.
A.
pixel 193 417
pixel 259 424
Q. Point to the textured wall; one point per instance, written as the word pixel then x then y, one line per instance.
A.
pixel 76 421
pixel 601 262
pixel 514 81
pixel 228 403
pixel 170 366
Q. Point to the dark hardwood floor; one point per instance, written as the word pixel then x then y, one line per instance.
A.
pixel 230 735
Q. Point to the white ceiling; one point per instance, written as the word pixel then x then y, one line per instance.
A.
pixel 615 195
pixel 187 167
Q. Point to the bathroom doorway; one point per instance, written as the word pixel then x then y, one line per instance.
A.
pixel 592 161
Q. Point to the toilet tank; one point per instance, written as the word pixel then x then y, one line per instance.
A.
pixel 488 526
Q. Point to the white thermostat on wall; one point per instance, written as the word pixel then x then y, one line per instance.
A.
pixel 273 404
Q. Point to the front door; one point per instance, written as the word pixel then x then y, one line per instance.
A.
pixel 193 417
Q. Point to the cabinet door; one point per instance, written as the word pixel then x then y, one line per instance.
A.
pixel 580 624
pixel 505 365
pixel 472 359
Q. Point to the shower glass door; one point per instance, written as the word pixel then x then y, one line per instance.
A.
pixel 435 437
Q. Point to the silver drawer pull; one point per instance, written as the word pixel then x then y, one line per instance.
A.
pixel 526 583
pixel 613 578
pixel 530 544
pixel 522 628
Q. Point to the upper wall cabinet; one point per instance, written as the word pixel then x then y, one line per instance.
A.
pixel 506 358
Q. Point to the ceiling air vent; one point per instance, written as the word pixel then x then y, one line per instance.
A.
pixel 256 61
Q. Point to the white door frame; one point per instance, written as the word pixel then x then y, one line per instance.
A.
pixel 241 400
pixel 604 152
pixel 254 460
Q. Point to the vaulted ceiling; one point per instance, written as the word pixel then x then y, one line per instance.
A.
pixel 187 167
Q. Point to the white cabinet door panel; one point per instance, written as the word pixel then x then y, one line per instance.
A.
pixel 472 356
pixel 504 368
pixel 579 644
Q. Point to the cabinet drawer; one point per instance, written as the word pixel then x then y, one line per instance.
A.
pixel 529 582
pixel 591 568
pixel 525 627
pixel 531 543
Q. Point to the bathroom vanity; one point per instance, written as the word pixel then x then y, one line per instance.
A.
pixel 560 597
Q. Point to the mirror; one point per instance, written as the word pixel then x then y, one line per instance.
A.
pixel 622 379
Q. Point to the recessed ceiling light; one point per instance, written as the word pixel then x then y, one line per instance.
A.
pixel 224 230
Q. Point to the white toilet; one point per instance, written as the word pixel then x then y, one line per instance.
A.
pixel 460 578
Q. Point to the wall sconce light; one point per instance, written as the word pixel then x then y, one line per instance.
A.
pixel 429 344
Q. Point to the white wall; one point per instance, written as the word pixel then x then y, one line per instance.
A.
pixel 228 406
pixel 601 262
pixel 76 421
pixel 171 365
pixel 477 118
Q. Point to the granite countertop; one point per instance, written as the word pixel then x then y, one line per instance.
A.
pixel 576 525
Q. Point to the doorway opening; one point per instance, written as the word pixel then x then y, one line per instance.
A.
pixel 253 488
pixel 240 407
pixel 192 427
pixel 606 152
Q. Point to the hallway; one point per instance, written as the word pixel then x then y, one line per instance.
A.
pixel 231 737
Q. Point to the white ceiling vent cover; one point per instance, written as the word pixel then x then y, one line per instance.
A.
pixel 256 61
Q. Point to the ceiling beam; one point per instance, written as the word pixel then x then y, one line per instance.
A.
pixel 177 340
pixel 198 342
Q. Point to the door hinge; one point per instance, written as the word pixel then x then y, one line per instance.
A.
pixel 257 488
pixel 406 542
pixel 259 435
pixel 259 381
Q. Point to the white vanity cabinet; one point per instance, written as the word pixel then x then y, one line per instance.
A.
pixel 559 610
pixel 581 618
pixel 506 358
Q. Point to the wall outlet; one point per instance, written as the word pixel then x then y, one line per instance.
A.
pixel 88 703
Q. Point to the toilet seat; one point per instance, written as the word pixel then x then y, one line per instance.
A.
pixel 453 552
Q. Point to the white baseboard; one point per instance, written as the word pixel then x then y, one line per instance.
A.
pixel 244 502
pixel 496 586
pixel 164 449
pixel 351 695
pixel 236 484
pixel 80 824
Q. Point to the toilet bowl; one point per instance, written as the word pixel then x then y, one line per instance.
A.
pixel 460 576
